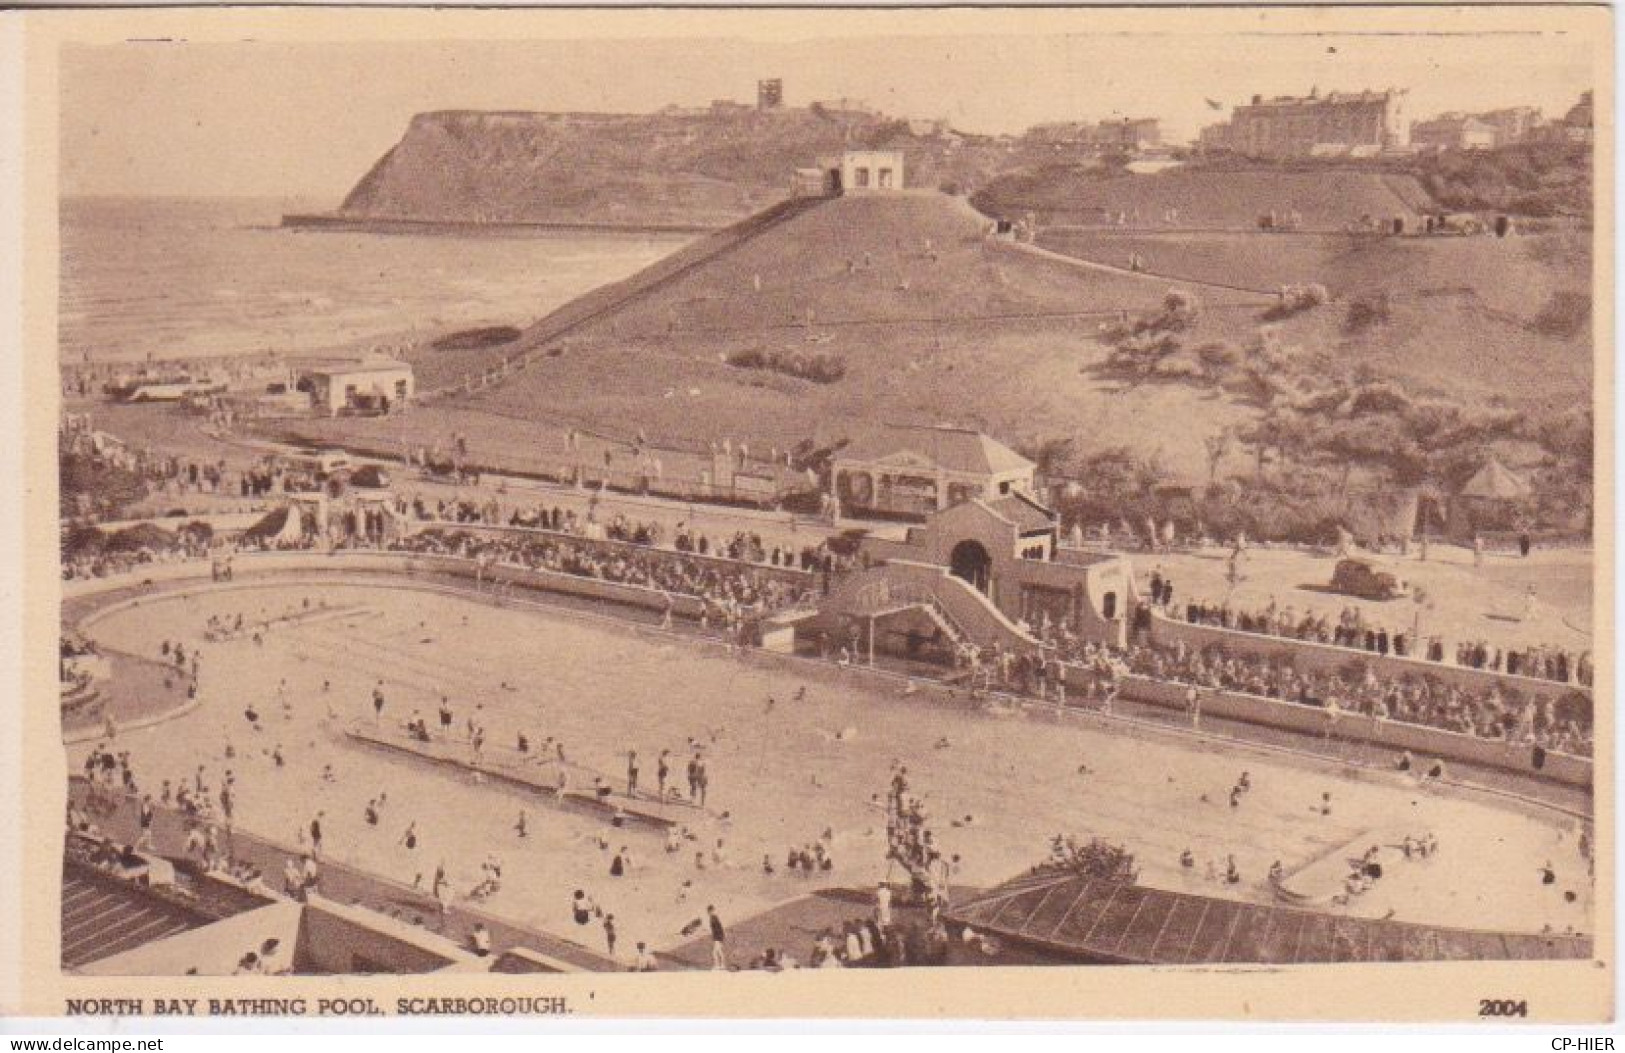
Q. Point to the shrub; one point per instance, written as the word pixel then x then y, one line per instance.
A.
pixel 1296 298
pixel 1365 312
pixel 1218 360
pixel 475 339
pixel 1565 315
pixel 819 367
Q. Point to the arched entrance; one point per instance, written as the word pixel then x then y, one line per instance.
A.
pixel 970 561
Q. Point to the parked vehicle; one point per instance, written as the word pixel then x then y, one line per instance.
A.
pixel 1357 577
pixel 370 477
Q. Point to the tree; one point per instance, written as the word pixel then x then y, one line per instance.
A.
pixel 1268 433
pixel 1053 456
pixel 1218 360
pixel 1098 860
pixel 1140 355
pixel 107 487
pixel 1180 309
pixel 1359 441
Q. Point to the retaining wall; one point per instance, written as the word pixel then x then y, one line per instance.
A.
pixel 1420 740
pixel 1253 709
pixel 1307 655
pixel 397 563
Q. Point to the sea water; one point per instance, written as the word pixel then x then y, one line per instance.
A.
pixel 170 278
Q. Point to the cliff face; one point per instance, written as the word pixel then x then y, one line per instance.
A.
pixel 704 169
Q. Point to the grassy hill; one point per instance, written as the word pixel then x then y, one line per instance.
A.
pixel 820 318
pixel 932 320
pixel 1200 198
pixel 1476 316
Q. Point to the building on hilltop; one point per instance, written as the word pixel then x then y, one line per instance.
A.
pixel 1453 131
pixel 844 107
pixel 913 471
pixel 1513 124
pixel 1478 131
pixel 770 94
pixel 868 171
pixel 1577 123
pixel 814 182
pixel 1339 123
pixel 1130 134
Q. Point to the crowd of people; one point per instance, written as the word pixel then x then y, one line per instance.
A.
pixel 1352 629
pixel 1075 670
pixel 743 546
pixel 1497 712
pixel 730 591
pixel 1542 663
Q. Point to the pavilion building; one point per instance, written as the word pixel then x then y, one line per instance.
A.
pixel 911 472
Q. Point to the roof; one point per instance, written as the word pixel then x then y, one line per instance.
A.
pixel 955 449
pixel 1091 920
pixel 376 365
pixel 1028 515
pixel 1496 481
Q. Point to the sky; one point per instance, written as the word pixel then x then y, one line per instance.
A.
pixel 296 119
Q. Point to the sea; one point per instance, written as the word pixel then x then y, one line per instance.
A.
pixel 166 278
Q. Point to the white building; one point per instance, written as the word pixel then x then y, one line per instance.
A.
pixel 374 385
pixel 867 171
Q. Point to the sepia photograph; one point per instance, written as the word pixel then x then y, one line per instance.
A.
pixel 992 500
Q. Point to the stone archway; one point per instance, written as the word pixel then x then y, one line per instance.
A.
pixel 970 561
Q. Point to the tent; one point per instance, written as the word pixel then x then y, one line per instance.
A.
pixel 1496 482
pixel 280 526
pixel 1490 501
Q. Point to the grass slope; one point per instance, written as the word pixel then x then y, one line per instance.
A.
pixel 935 321
pixel 1223 199
pixel 1478 316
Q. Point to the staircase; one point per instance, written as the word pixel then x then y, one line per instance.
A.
pixel 955 606
pixel 944 622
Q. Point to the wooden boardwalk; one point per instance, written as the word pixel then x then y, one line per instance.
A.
pixel 527 773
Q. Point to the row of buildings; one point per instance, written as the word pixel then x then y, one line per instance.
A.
pixel 370 385
pixel 1507 127
pixel 1370 123
pixel 1127 134
pixel 1356 124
